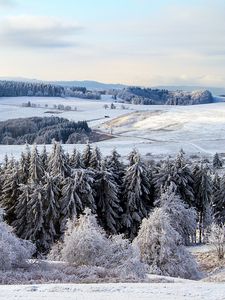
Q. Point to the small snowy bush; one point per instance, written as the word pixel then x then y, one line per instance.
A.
pixel 13 251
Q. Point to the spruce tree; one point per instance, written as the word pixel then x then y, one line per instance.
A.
pixel 86 156
pixel 203 195
pixel 58 165
pixel 10 192
pixel 44 158
pixel 218 199
pixel 95 159
pixel 137 199
pixel 217 163
pixel 107 201
pixel 36 169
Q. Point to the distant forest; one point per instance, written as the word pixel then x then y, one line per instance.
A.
pixel 36 89
pixel 147 96
pixel 43 130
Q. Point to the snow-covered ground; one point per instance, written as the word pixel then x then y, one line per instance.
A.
pixel 116 291
pixel 157 130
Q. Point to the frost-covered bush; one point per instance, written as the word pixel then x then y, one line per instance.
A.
pixel 13 251
pixel 86 244
pixel 217 239
pixel 161 248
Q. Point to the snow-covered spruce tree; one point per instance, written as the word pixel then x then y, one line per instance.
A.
pixel 14 252
pixel 218 199
pixel 161 247
pixel 95 159
pixel 86 244
pixel 57 165
pixel 115 166
pixel 132 155
pixel 136 200
pixel 44 158
pixel 24 165
pixel 107 201
pixel 86 156
pixel 36 169
pixel 203 195
pixel 10 192
pixel 183 218
pixel 70 203
pixel 178 174
pixel 35 227
pixel 51 208
pixel 21 210
pixel 217 162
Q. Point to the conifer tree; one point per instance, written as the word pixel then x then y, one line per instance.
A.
pixel 115 166
pixel 95 159
pixel 58 165
pixel 218 199
pixel 136 196
pixel 86 156
pixel 107 201
pixel 36 170
pixel 10 192
pixel 44 158
pixel 217 163
pixel 203 195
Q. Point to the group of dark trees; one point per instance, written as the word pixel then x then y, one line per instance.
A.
pixel 43 130
pixel 148 96
pixel 41 89
pixel 41 191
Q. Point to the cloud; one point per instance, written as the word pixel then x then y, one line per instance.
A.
pixel 7 3
pixel 38 31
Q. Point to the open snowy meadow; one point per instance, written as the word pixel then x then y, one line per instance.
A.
pixel 153 129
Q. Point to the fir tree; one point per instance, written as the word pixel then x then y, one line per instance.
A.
pixel 203 195
pixel 36 170
pixel 57 165
pixel 44 158
pixel 107 201
pixel 86 156
pixel 95 159
pixel 218 199
pixel 217 163
pixel 10 192
pixel 136 196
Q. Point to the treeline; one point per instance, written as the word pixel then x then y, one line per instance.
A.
pixel 42 130
pixel 41 191
pixel 148 96
pixel 36 89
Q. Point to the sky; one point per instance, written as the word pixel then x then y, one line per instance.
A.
pixel 135 42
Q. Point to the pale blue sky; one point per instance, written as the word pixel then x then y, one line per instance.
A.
pixel 128 41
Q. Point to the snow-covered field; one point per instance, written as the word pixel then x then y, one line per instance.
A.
pixel 157 130
pixel 116 291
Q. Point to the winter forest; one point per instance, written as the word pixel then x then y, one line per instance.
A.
pixel 128 215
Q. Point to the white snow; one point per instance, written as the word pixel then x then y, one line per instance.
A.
pixel 115 291
pixel 157 130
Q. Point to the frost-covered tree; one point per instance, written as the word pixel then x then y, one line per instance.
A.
pixel 115 166
pixel 36 170
pixel 203 195
pixel 217 239
pixel 14 252
pixel 24 165
pixel 86 244
pixel 70 203
pixel 10 192
pixel 161 247
pixel 57 165
pixel 86 155
pixel 218 199
pixel 95 159
pixel 217 162
pixel 21 210
pixel 44 158
pixel 137 199
pixel 183 218
pixel 35 229
pixel 51 207
pixel 107 200
pixel 178 174
pixel 132 155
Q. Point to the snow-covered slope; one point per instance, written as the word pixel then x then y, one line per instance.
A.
pixel 118 291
